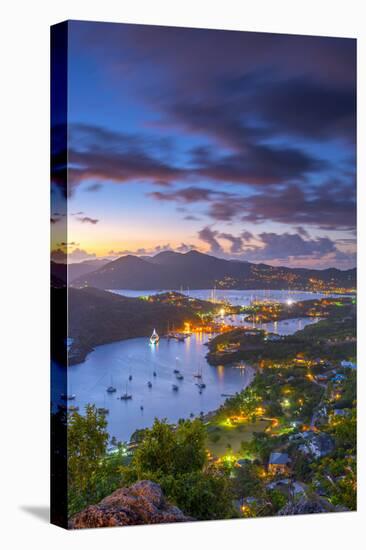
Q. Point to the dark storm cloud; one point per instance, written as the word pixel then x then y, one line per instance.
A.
pixel 94 187
pixel 64 244
pixel 226 210
pixel 261 164
pixel 184 248
pixel 236 242
pixel 269 246
pixel 299 106
pixel 286 245
pixel 273 114
pixel 192 218
pixel 302 231
pixel 330 206
pixel 87 219
pixel 77 255
pixel 304 107
pixel 59 157
pixel 198 56
pixel 244 87
pixel 209 236
pixel 186 195
pixel 97 153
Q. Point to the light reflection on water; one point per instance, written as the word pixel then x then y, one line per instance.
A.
pixel 236 297
pixel 283 328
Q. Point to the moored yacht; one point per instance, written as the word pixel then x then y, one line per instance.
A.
pixel 111 388
pixel 68 396
pixel 154 338
pixel 126 396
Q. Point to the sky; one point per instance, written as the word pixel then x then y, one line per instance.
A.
pixel 237 144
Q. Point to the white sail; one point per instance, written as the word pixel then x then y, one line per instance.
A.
pixel 154 338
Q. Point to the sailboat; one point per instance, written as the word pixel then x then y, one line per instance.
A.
pixel 176 370
pixel 199 373
pixel 200 384
pixel 125 396
pixel 111 388
pixel 154 338
pixel 104 409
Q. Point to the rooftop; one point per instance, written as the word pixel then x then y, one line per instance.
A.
pixel 279 458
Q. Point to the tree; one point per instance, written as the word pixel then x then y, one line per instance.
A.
pixel 175 457
pixel 248 481
pixel 87 439
pixel 345 431
pixel 202 495
pixel 337 479
pixel 262 445
pixel 168 451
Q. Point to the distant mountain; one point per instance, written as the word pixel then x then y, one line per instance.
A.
pixel 194 270
pixel 82 268
pixel 76 270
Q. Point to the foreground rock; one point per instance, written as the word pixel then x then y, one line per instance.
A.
pixel 306 505
pixel 142 503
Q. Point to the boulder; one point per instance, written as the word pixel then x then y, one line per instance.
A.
pixel 307 505
pixel 140 504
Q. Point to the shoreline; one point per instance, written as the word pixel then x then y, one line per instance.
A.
pixel 79 351
pixel 210 414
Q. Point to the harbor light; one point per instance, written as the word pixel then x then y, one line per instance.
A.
pixel 289 302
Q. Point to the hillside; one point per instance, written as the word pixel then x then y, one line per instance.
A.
pixel 75 270
pixel 97 317
pixel 172 270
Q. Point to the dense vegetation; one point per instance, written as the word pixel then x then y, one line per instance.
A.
pixel 174 457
